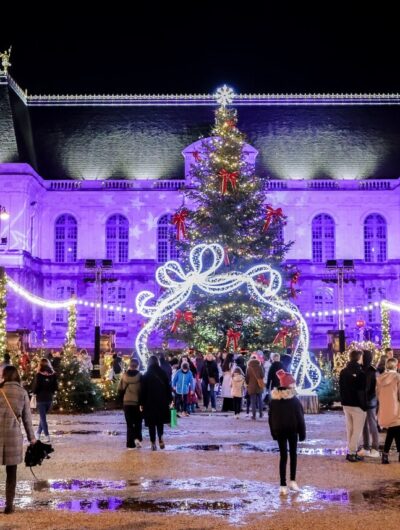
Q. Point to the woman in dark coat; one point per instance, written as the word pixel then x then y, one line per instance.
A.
pixel 44 386
pixel 14 405
pixel 155 399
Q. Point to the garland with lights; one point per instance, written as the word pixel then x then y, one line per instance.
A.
pixel 205 260
pixel 385 322
pixel 3 313
pixel 70 338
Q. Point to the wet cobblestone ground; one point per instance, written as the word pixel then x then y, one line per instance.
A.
pixel 216 472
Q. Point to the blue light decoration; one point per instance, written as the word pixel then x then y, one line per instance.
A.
pixel 178 286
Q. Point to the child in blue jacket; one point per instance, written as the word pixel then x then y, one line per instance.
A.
pixel 183 383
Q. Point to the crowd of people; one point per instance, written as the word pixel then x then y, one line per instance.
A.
pixel 168 382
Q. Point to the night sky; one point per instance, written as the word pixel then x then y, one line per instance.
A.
pixel 196 49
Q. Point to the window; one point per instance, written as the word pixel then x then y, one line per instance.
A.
pixel 166 242
pixel 374 294
pixel 117 234
pixel 63 293
pixel 323 302
pixel 116 297
pixel 375 239
pixel 66 239
pixel 323 238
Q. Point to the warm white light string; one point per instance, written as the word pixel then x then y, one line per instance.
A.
pixel 37 300
pixel 179 286
pixel 352 310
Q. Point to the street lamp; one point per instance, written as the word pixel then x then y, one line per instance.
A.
pixel 98 267
pixel 342 276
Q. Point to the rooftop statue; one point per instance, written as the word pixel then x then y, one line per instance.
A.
pixel 5 59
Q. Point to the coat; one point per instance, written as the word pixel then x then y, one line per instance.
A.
pixel 254 371
pixel 237 385
pixel 273 379
pixel 286 415
pixel 44 386
pixel 352 385
pixel 130 387
pixel 11 440
pixel 388 392
pixel 156 396
pixel 183 382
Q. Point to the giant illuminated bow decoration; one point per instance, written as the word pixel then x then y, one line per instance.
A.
pixel 178 286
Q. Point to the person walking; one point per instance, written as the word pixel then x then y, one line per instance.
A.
pixel 238 384
pixel 129 387
pixel 272 378
pixel 155 400
pixel 44 386
pixel 14 405
pixel 286 422
pixel 209 378
pixel 370 431
pixel 227 365
pixel 183 384
pixel 388 393
pixel 352 385
pixel 255 384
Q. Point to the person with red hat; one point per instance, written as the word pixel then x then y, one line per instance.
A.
pixel 286 422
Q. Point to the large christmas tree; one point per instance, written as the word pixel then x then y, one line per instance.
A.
pixel 228 205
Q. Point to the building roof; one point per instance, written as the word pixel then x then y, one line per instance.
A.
pixel 142 137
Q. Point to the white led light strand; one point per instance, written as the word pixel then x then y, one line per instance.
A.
pixel 179 286
pixel 37 300
pixel 348 310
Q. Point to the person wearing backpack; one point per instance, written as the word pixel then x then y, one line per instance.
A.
pixel 14 406
pixel 129 389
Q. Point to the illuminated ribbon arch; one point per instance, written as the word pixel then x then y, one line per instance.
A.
pixel 178 287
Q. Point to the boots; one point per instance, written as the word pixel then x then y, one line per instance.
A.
pixel 385 458
pixel 11 483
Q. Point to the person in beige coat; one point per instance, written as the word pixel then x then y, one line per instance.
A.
pixel 255 384
pixel 14 407
pixel 388 393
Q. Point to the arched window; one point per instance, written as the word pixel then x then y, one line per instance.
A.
pixel 375 239
pixel 117 235
pixel 323 238
pixel 166 247
pixel 66 239
pixel 323 303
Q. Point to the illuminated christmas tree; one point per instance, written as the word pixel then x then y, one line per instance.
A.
pixel 228 205
pixel 3 313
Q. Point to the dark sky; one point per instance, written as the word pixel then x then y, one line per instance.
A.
pixel 196 49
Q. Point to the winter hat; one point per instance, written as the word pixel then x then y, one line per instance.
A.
pixel 285 379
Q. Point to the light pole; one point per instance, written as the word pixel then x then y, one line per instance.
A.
pixel 343 276
pixel 4 215
pixel 98 266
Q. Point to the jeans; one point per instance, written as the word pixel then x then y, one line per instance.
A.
pixel 355 419
pixel 207 394
pixel 283 443
pixel 43 408
pixel 152 432
pixel 256 402
pixel 181 402
pixel 371 429
pixel 133 418
pixel 393 433
pixel 237 405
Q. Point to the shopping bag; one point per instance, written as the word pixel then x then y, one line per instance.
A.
pixel 174 418
pixel 33 402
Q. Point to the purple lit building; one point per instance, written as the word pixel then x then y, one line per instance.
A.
pixel 99 176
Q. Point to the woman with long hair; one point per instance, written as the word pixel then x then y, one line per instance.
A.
pixel 44 386
pixel 227 366
pixel 155 400
pixel 14 406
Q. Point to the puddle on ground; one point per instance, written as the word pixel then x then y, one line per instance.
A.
pixel 218 496
pixel 107 433
pixel 261 447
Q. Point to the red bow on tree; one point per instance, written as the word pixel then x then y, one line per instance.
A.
pixel 280 339
pixel 228 177
pixel 262 279
pixel 230 123
pixel 179 220
pixel 293 281
pixel 232 336
pixel 187 317
pixel 272 216
pixel 196 156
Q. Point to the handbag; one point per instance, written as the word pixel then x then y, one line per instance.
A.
pixel 33 402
